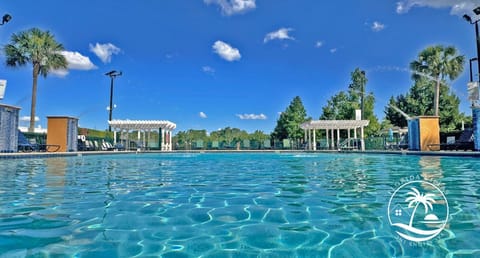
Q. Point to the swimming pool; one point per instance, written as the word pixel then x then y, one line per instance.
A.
pixel 228 205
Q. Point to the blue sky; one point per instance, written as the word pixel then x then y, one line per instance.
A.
pixel 208 64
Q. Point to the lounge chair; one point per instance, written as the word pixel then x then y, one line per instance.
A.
pixel 24 144
pixel 464 142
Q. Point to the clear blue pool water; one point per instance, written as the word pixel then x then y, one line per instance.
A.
pixel 228 205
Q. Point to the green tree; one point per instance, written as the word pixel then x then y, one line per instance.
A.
pixel 229 135
pixel 418 102
pixel 259 136
pixel 438 63
pixel 288 124
pixel 41 50
pixel 342 106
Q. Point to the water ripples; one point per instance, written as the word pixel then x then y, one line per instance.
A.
pixel 190 205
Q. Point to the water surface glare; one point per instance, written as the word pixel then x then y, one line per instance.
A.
pixel 228 205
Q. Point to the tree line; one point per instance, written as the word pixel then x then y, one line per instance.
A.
pixel 430 94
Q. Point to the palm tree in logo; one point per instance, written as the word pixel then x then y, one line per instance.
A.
pixel 416 198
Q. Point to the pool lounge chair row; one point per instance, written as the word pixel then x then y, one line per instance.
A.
pixel 94 145
pixel 31 145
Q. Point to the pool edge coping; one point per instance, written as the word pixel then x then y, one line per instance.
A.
pixel 20 155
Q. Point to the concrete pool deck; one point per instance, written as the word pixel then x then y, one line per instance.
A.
pixel 21 155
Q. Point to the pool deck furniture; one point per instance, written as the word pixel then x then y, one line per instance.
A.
pixel 465 142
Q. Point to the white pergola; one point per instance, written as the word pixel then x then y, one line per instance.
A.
pixel 164 127
pixel 331 126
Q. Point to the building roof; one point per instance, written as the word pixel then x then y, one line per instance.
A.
pixel 142 124
pixel 334 124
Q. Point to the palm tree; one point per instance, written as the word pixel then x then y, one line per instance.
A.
pixel 416 199
pixel 438 63
pixel 41 50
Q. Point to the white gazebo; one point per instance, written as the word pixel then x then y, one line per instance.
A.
pixel 331 126
pixel 164 127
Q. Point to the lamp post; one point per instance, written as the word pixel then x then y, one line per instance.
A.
pixel 112 74
pixel 471 72
pixel 6 18
pixel 475 109
pixel 477 36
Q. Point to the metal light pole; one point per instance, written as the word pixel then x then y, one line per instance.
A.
pixel 477 36
pixel 112 74
pixel 471 72
pixel 475 109
pixel 6 18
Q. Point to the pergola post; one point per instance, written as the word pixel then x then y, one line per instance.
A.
pixel 363 140
pixel 162 133
pixel 338 138
pixel 314 141
pixel 310 145
pixel 305 138
pixel 333 138
pixel 328 143
pixel 348 138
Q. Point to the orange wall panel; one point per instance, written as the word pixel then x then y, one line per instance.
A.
pixel 429 133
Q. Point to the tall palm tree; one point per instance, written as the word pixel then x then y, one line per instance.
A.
pixel 416 199
pixel 41 50
pixel 438 63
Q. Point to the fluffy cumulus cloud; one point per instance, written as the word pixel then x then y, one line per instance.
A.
pixel 252 116
pixel 281 34
pixel 105 51
pixel 27 118
pixel 333 50
pixel 226 51
pixel 202 115
pixel 75 61
pixel 230 7
pixel 457 7
pixel 377 26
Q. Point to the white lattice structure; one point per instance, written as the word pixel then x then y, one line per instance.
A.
pixel 331 126
pixel 164 127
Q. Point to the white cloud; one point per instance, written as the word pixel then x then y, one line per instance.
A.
pixel 230 7
pixel 377 26
pixel 252 116
pixel 208 70
pixel 333 50
pixel 318 44
pixel 280 34
pixel 202 115
pixel 104 51
pixel 59 73
pixel 27 118
pixel 77 61
pixel 226 51
pixel 456 7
